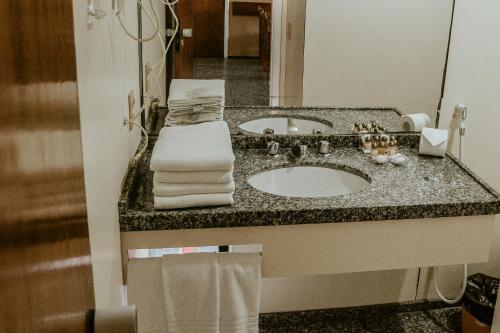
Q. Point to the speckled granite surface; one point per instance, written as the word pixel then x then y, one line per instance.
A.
pixel 422 317
pixel 425 187
pixel 340 119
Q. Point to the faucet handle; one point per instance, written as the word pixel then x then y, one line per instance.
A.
pixel 273 148
pixel 324 147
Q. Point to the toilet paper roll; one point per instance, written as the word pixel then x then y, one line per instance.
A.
pixel 415 122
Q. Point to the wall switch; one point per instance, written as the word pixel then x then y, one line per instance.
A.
pixel 131 107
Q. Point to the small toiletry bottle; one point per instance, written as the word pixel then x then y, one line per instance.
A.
pixel 396 145
pixel 382 148
pixel 392 148
pixel 355 128
pixel 374 150
pixel 367 144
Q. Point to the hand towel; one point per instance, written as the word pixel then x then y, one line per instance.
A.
pixel 193 177
pixel 240 281
pixel 144 285
pixel 182 91
pixel 191 292
pixel 193 200
pixel 168 190
pixel 201 147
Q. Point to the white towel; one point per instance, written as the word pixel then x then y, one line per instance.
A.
pixel 187 118
pixel 168 190
pixel 193 200
pixel 193 177
pixel 240 280
pixel 202 147
pixel 191 292
pixel 144 285
pixel 184 92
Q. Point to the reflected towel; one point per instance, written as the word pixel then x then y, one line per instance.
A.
pixel 194 177
pixel 168 190
pixel 201 147
pixel 187 92
pixel 193 200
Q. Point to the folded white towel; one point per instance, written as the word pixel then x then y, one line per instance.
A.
pixel 187 118
pixel 168 190
pixel 240 281
pixel 184 92
pixel 193 177
pixel 201 147
pixel 193 200
pixel 191 292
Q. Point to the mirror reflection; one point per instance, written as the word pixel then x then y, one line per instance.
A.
pixel 349 55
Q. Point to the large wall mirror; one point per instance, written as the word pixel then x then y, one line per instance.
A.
pixel 327 53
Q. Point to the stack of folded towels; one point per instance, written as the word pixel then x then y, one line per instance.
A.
pixel 195 101
pixel 193 166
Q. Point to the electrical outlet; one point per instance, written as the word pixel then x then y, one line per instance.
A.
pixel 147 77
pixel 131 107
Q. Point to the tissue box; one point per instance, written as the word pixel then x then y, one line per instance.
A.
pixel 433 142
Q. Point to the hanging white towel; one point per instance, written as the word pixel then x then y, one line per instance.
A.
pixel 202 147
pixel 240 281
pixel 162 189
pixel 191 292
pixel 193 200
pixel 194 177
pixel 144 286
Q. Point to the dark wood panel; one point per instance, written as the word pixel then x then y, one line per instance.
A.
pixel 45 263
pixel 184 47
pixel 208 28
pixel 250 8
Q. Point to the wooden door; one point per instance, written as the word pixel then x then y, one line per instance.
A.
pixel 208 28
pixel 184 44
pixel 45 263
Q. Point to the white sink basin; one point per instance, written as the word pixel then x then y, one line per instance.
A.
pixel 284 126
pixel 308 182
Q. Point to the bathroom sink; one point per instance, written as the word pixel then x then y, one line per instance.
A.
pixel 284 126
pixel 307 182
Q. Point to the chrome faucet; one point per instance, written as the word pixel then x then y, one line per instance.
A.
pixel 299 150
pixel 273 148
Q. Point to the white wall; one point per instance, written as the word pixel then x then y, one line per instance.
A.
pixel 152 51
pixel 376 53
pixel 473 78
pixel 107 68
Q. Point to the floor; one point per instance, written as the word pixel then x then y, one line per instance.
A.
pixel 428 317
pixel 246 81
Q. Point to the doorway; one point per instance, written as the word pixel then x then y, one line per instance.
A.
pixel 228 40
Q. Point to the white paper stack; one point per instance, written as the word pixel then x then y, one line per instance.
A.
pixel 195 101
pixel 193 166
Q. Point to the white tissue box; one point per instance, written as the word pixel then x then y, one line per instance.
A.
pixel 433 142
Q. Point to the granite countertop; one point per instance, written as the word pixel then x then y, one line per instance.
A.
pixel 426 187
pixel 340 119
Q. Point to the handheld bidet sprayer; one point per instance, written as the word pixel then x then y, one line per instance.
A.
pixel 461 110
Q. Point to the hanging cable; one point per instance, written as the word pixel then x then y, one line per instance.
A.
pixel 462 110
pixel 139 155
pixel 155 25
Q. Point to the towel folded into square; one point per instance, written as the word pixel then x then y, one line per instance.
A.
pixel 193 200
pixel 186 92
pixel 164 189
pixel 193 177
pixel 201 147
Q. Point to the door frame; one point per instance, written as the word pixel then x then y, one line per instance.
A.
pixel 278 45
